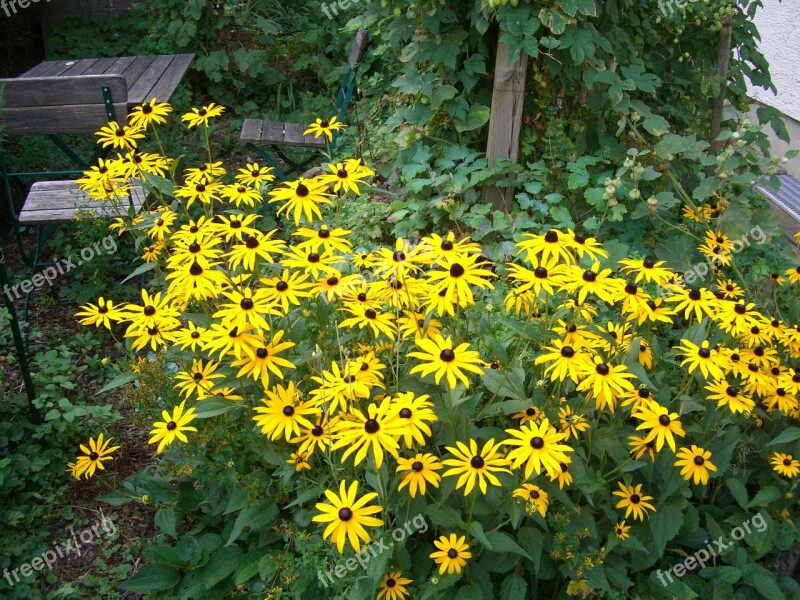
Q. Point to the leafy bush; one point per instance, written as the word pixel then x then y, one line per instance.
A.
pixel 577 420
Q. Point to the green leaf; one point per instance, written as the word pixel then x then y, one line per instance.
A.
pixel 212 407
pixel 737 490
pixel 140 270
pixel 789 435
pixel 223 563
pixel 476 529
pixel 255 517
pixel 152 578
pixel 118 381
pixel 765 496
pixel 502 542
pixel 763 581
pixel 514 588
pixel 477 117
pixel 166 521
pixel 665 524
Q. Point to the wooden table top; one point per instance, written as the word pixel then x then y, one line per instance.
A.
pixel 148 77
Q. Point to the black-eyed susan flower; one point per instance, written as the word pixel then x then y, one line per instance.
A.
pixel 172 427
pixel 634 501
pixel 266 360
pixel 103 313
pixel 372 433
pixel 554 244
pixel 564 361
pixel 725 394
pixel 337 388
pixel 458 276
pixel 595 281
pixel 205 173
pixel 647 270
pixel 711 363
pixel 563 476
pixel 254 175
pixel 419 471
pixel 377 321
pixel 404 260
pixel 198 380
pixel 694 302
pixel 571 423
pixel 236 341
pixel 393 586
pixel 246 307
pixel 284 412
pixel 194 281
pixel 94 454
pixel 605 383
pixel 695 463
pixel 241 195
pixel 414 413
pixel 452 553
pixel 536 445
pixel 316 437
pixel 544 276
pixel 287 290
pixel 730 289
pixel 419 326
pixel 236 226
pixel 302 198
pixel 343 179
pixel 117 135
pixel 299 461
pixel 532 413
pixel 737 317
pixel 534 497
pixel 323 238
pixel 785 464
pixel 326 128
pixel 471 465
pixel 254 247
pixel 641 445
pixel 443 360
pixel 149 113
pixel 347 516
pixel 661 424
pixel 438 250
pixel 201 116
pixel 622 530
pixel 203 192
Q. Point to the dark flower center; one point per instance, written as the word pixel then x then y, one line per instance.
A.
pixel 194 248
pixel 332 281
pixel 635 499
pixel 146 109
pixel 567 352
pixel 476 462
pixel 302 191
pixel 405 413
pixel 288 410
pixel 345 514
pixel 251 242
pixel 390 583
pixel 362 297
pixel 580 239
pixel 456 270
pixel 195 270
pixel 447 355
pixel 172 426
pixel 200 188
pixel 786 462
pixel 281 286
pixel 255 173
pixel 202 112
pixel 235 224
pixel 149 311
pixel 530 411
pixel 102 310
pixel 551 237
pixel 540 273
pixel 262 353
pixel 247 304
pixel 648 263
pixel 447 245
pixel 371 426
pixel 695 294
pixel 589 276
pixel 324 233
pixel 317 431
pixel 198 376
pixel 398 256
pixel 370 314
pixel 602 369
pixel 704 352
pixel 94 456
pixel 417 466
pixel 664 420
pixel 313 257
pixel 537 443
pixel 349 379
pixel 631 289
pixel 534 494
pixel 759 351
pixel 740 309
pixel 699 460
pixel 644 393
pixel 452 553
pixel 341 174
pixel 732 391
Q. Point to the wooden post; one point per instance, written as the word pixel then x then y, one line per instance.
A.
pixel 505 123
pixel 723 60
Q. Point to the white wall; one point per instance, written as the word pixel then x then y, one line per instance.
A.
pixel 779 25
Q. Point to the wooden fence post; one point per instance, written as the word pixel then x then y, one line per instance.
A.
pixel 505 122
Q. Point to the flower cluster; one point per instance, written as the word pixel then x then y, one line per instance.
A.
pixel 385 381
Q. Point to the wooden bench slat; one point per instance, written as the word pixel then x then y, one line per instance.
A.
pixel 58 201
pixel 251 130
pixel 135 69
pixel 32 92
pixel 101 66
pixel 79 68
pixel 81 118
pixel 120 64
pixel 293 134
pixel 170 79
pixel 272 132
pixel 57 68
pixel 138 90
pixel 358 49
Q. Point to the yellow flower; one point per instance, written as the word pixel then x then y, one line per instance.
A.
pixel 347 516
pixel 92 457
pixel 452 554
pixel 200 116
pixel 326 128
pixel 534 496
pixel 439 357
pixel 663 425
pixel 472 465
pixel 634 501
pixel 695 464
pixel 420 471
pixel 173 426
pixel 537 446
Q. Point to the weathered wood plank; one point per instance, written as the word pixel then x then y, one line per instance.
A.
pixel 37 70
pixel 138 90
pixel 311 141
pixel 293 134
pixel 81 118
pixel 119 66
pixel 505 124
pixel 79 68
pixel 101 67
pixel 135 69
pixel 358 48
pixel 54 91
pixel 272 132
pixel 57 201
pixel 170 79
pixel 251 130
pixel 57 67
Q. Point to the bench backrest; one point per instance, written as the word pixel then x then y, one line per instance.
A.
pixel 358 49
pixel 75 104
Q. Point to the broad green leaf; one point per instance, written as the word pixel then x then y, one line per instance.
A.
pixel 223 563
pixel 152 578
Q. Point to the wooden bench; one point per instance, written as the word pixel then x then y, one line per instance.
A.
pixel 258 133
pixel 59 201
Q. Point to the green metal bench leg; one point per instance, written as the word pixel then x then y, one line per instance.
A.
pixel 269 160
pixel 22 355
